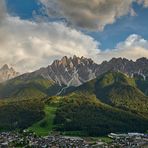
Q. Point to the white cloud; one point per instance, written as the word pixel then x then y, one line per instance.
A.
pixel 133 48
pixel 144 2
pixel 90 14
pixel 29 45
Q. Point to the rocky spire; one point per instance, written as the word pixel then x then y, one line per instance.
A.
pixel 7 73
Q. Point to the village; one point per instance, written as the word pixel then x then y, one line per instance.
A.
pixel 130 140
pixel 26 139
pixel 31 140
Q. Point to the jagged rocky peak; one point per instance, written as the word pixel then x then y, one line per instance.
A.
pixel 142 61
pixel 71 71
pixel 119 60
pixel 74 71
pixel 63 61
pixel 5 67
pixel 7 73
pixel 126 66
pixel 71 62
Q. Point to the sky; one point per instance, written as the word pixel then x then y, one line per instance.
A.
pixel 33 33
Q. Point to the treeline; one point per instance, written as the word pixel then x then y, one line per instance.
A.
pixel 20 114
pixel 88 115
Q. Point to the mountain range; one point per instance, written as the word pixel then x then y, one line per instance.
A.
pixel 69 72
pixel 75 71
pixel 79 96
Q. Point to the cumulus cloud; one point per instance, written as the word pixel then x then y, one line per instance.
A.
pixel 90 14
pixel 144 2
pixel 29 45
pixel 133 48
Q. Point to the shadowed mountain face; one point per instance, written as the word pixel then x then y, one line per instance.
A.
pixel 7 73
pixel 126 66
pixel 76 71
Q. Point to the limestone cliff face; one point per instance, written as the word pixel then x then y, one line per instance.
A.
pixel 69 71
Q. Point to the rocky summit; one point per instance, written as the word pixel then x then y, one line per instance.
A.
pixel 71 71
pixel 74 71
pixel 7 73
pixel 126 66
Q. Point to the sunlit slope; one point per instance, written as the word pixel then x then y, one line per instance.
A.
pixel 35 87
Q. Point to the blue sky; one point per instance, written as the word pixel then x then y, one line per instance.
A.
pixel 95 29
pixel 109 37
pixel 124 26
pixel 22 8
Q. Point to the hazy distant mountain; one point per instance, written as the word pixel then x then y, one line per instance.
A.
pixel 7 73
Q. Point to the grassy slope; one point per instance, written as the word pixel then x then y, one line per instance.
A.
pixel 44 126
pixel 29 93
pixel 36 87
pixel 119 90
pixel 127 98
